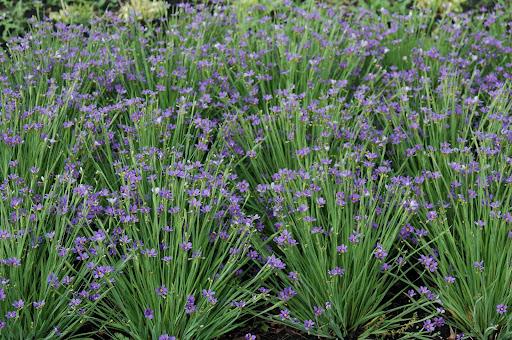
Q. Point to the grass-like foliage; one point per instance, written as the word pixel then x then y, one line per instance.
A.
pixel 183 242
pixel 334 248
pixel 50 277
pixel 341 171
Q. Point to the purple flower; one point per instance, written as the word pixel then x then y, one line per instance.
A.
pixel 284 314
pixel 11 314
pixel 501 309
pixel 431 215
pixel 439 322
pixel 341 249
pixel 186 246
pixel 38 304
pixel 82 190
pixel 354 237
pixel 62 251
pixel 66 280
pixel 294 276
pixel 285 239
pixel 238 304
pixel 243 186
pixel 318 310
pixel 429 326
pixel 421 233
pixel 423 290
pixel 210 296
pixel 249 336
pixel 19 304
pixel 166 337
pixel 336 271
pixel 287 293
pixel 411 205
pixel 162 291
pixel 303 152
pixel 84 294
pixel 98 236
pixel 275 262
pixel 411 293
pixel 12 261
pixel 167 229
pixel 479 265
pixel 380 253
pixel 263 290
pixel 480 223
pixel 385 266
pixel 57 331
pixel 148 314
pixel 429 262
pixel 320 201
pixel 449 279
pixel 190 306
pixel 101 271
pixel 16 202
pixel 149 252
pixel 308 324
pixel 75 302
pixel 94 286
pixel 4 234
pixel 407 231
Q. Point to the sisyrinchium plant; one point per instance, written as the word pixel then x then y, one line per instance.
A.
pixel 175 208
pixel 468 238
pixel 334 248
pixel 184 222
pixel 197 245
pixel 50 280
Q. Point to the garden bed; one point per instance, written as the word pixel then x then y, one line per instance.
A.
pixel 248 171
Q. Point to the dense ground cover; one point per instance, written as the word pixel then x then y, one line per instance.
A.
pixel 341 172
pixel 15 15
